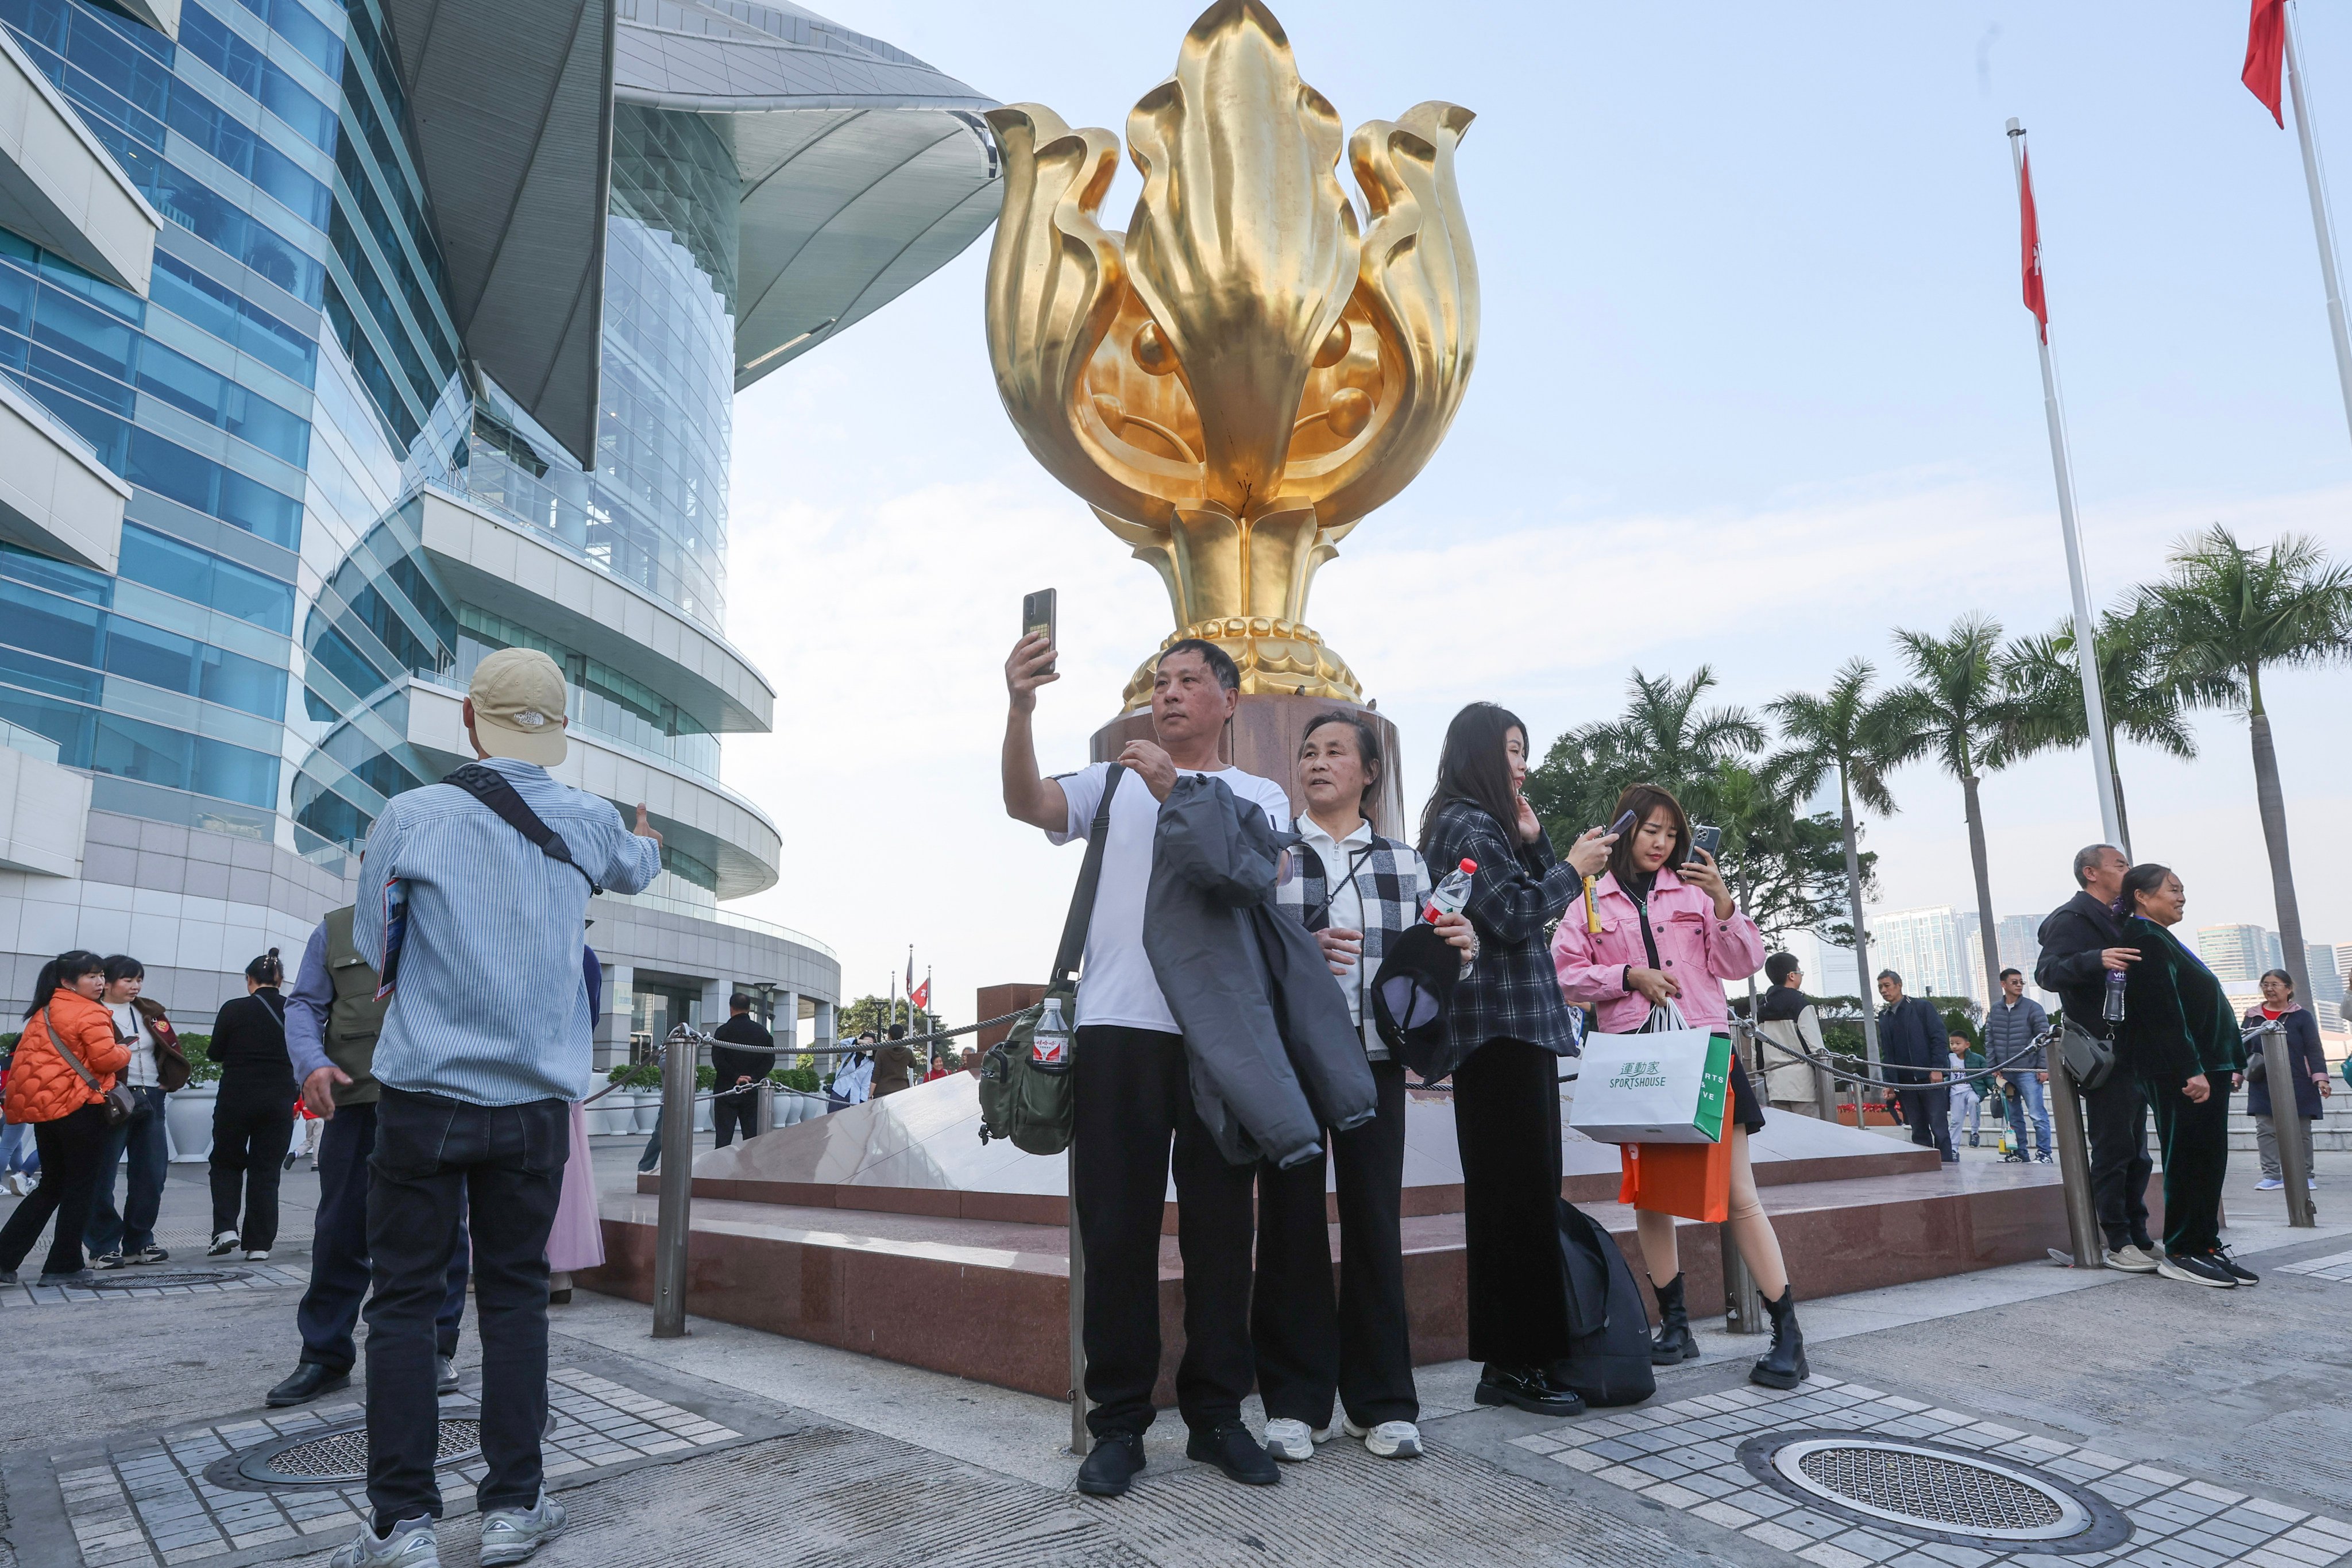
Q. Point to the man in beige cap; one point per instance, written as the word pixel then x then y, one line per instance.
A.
pixel 480 886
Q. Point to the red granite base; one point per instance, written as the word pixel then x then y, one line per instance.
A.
pixel 988 1298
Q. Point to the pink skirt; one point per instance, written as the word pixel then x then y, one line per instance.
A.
pixel 577 1240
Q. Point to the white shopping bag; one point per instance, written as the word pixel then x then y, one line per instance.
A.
pixel 1666 1087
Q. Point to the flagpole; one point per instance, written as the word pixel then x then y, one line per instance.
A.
pixel 2095 708
pixel 2321 227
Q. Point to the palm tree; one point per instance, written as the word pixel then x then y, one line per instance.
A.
pixel 1959 713
pixel 2224 614
pixel 1662 737
pixel 1859 737
pixel 2141 701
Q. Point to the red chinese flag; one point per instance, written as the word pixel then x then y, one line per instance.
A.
pixel 2030 237
pixel 2266 51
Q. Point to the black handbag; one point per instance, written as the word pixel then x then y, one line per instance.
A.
pixel 116 1104
pixel 2090 1061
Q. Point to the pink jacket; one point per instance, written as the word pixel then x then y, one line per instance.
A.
pixel 1698 950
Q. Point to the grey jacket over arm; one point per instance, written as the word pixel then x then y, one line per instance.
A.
pixel 1274 1056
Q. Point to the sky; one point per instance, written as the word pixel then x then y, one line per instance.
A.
pixel 1754 388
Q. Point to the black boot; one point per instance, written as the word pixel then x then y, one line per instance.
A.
pixel 1674 1343
pixel 1783 1366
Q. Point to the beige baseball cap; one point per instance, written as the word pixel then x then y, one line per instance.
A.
pixel 518 705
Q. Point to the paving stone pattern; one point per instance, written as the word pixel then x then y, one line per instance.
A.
pixel 150 1503
pixel 260 1277
pixel 1685 1455
pixel 2336 1265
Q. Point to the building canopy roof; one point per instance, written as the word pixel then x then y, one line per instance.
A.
pixel 863 170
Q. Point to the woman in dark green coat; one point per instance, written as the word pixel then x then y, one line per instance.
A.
pixel 2179 1039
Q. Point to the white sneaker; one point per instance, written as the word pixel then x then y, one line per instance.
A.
pixel 2269 1184
pixel 223 1243
pixel 1389 1440
pixel 410 1545
pixel 1290 1441
pixel 511 1534
pixel 2131 1260
pixel 260 1256
pixel 2312 1184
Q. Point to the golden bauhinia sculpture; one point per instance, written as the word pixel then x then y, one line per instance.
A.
pixel 1245 374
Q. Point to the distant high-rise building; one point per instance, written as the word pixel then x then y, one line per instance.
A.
pixel 2327 980
pixel 1924 947
pixel 2021 944
pixel 2238 954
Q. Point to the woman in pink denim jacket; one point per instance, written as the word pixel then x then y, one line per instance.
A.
pixel 1670 930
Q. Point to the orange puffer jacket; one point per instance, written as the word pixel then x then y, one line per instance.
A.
pixel 41 1085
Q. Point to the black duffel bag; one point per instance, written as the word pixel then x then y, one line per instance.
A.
pixel 1608 1361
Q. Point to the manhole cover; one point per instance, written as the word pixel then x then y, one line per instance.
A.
pixel 1941 1494
pixel 335 1457
pixel 110 1280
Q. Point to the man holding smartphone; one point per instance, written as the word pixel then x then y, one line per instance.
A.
pixel 1133 1088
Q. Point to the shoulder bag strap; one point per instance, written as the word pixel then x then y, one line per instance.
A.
pixel 1082 900
pixel 73 1061
pixel 491 788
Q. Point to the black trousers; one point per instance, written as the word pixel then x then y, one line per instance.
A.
pixel 339 1249
pixel 729 1112
pixel 2195 1144
pixel 505 1165
pixel 1927 1111
pixel 1308 1346
pixel 69 1149
pixel 1506 1121
pixel 253 1126
pixel 2120 1165
pixel 1134 1100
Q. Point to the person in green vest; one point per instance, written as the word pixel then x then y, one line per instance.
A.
pixel 332 1016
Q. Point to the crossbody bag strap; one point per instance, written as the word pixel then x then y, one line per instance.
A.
pixel 1082 900
pixel 492 789
pixel 73 1061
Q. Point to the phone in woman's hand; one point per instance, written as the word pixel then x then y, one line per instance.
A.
pixel 1618 827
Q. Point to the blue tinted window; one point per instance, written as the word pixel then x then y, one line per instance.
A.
pixel 103 46
pixel 183 383
pixel 43 22
pixel 94 337
pixel 68 724
pixel 234 680
pixel 47 675
pixel 291 22
pixel 60 576
pixel 181 664
pixel 171 469
pixel 108 436
pixel 16 300
pixel 46 624
pixel 81 381
pixel 135 749
pixel 190 295
pixel 231 142
pixel 342 660
pixel 234 772
pixel 161 561
pixel 244 65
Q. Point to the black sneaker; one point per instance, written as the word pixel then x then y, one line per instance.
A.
pixel 1229 1445
pixel 2238 1271
pixel 2194 1268
pixel 106 1260
pixel 1112 1466
pixel 149 1254
pixel 1528 1389
pixel 79 1279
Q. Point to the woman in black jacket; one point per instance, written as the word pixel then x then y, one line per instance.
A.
pixel 1507 1030
pixel 253 1119
pixel 2311 1081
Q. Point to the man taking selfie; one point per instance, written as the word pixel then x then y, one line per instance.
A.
pixel 1133 1093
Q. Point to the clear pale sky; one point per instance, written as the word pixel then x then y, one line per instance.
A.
pixel 1754 387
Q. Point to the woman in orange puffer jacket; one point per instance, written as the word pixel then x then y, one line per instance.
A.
pixel 69 1124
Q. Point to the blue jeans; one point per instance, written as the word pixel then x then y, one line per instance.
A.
pixel 13 1155
pixel 339 1249
pixel 142 1137
pixel 2027 1088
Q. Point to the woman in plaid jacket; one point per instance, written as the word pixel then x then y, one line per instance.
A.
pixel 1507 1030
pixel 1355 890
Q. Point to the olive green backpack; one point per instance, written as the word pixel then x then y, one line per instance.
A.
pixel 1035 1106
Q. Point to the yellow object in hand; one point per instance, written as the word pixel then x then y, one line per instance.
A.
pixel 1591 915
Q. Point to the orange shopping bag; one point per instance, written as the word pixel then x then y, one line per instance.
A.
pixel 1691 1180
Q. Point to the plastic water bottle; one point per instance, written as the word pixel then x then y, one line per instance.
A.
pixel 1049 1046
pixel 2112 1008
pixel 1454 892
pixel 1450 897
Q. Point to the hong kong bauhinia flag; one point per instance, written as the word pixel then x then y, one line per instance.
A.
pixel 2030 236
pixel 2266 51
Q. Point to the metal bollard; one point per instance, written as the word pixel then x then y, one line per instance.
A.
pixel 2280 1068
pixel 1743 1303
pixel 673 1212
pixel 2082 1234
pixel 1082 1440
pixel 767 1105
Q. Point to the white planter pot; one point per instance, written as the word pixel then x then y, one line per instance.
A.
pixel 612 1114
pixel 702 1122
pixel 645 1113
pixel 188 1123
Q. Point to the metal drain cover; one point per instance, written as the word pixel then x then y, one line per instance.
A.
pixel 1941 1494
pixel 332 1456
pixel 145 1280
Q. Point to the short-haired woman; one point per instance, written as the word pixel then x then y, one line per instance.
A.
pixel 157 1067
pixel 65 1025
pixel 2179 1039
pixel 1671 931
pixel 2311 1080
pixel 1355 890
pixel 1506 1031
pixel 253 1119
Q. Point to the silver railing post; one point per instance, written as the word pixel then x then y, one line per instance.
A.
pixel 673 1212
pixel 2280 1071
pixel 767 1105
pixel 2082 1234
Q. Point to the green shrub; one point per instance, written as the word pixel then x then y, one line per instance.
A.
pixel 198 1049
pixel 801 1078
pixel 636 1075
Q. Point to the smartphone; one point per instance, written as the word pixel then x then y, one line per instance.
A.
pixel 1039 613
pixel 1618 827
pixel 1707 838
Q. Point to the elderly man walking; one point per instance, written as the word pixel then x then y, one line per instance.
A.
pixel 2013 1034
pixel 473 899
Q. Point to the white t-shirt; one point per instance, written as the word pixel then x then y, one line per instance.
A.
pixel 1118 985
pixel 128 1020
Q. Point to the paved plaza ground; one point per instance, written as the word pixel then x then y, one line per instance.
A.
pixel 2217 1426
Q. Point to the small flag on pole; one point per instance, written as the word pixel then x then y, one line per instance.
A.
pixel 2031 245
pixel 2265 47
pixel 922 995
